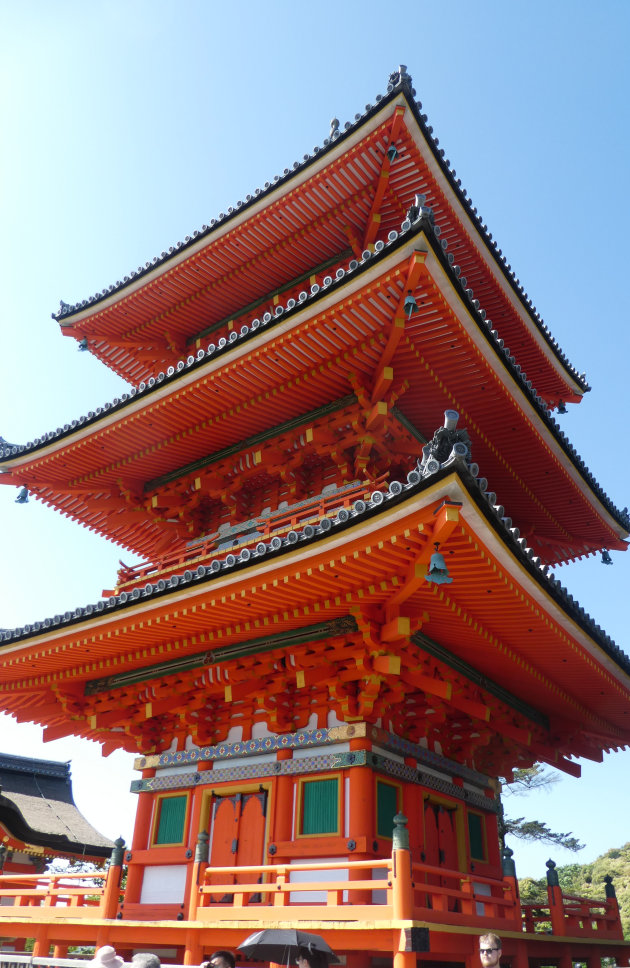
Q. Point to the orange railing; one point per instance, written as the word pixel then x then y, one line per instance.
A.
pixel 454 897
pixel 278 524
pixel 379 890
pixel 368 887
pixel 571 915
pixel 83 893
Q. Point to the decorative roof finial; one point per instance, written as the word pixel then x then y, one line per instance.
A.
pixel 334 129
pixel 446 445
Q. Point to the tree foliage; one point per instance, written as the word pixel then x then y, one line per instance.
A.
pixel 521 782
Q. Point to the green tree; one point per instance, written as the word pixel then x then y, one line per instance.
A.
pixel 520 783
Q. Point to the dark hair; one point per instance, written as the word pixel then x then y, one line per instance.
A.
pixel 225 956
pixel 315 958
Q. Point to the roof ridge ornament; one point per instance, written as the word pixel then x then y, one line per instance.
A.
pixel 420 210
pixel 400 78
pixel 446 446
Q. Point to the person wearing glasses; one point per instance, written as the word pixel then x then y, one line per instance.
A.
pixel 490 950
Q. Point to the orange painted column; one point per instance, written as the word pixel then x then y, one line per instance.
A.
pixel 281 826
pixel 41 946
pixel 362 794
pixel 412 809
pixel 361 828
pixel 565 960
pixel 520 959
pixel 142 825
pixel 193 951
pixel 140 840
pixel 402 889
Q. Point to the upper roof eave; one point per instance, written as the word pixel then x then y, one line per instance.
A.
pixel 403 91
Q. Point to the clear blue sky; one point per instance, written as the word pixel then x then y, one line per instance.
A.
pixel 125 126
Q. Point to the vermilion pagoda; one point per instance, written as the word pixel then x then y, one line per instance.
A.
pixel 346 614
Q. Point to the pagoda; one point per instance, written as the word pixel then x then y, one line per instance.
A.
pixel 339 462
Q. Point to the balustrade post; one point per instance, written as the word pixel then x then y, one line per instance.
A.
pixel 556 901
pixel 468 903
pixel 195 899
pixel 511 885
pixel 402 888
pixel 280 896
pixel 111 892
pixel 613 917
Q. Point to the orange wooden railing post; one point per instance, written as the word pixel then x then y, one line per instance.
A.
pixel 511 891
pixel 402 893
pixel 195 899
pixel 556 902
pixel 111 893
pixel 280 897
pixel 613 924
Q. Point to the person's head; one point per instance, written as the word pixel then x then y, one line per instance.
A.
pixel 106 957
pixel 311 958
pixel 221 959
pixel 145 959
pixel 490 950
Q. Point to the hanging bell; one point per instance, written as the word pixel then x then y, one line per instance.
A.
pixel 438 572
pixel 562 407
pixel 410 305
pixel 392 153
pixel 606 559
pixel 22 497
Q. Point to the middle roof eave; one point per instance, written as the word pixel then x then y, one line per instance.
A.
pixel 142 409
pixel 521 609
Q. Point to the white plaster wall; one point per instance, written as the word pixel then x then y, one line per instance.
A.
pixel 317 897
pixel 163 884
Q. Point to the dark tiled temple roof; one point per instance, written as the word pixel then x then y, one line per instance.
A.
pixel 417 481
pixel 399 82
pixel 423 222
pixel 37 806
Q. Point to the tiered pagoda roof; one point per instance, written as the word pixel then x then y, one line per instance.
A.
pixel 271 465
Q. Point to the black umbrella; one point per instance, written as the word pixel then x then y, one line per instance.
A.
pixel 281 945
